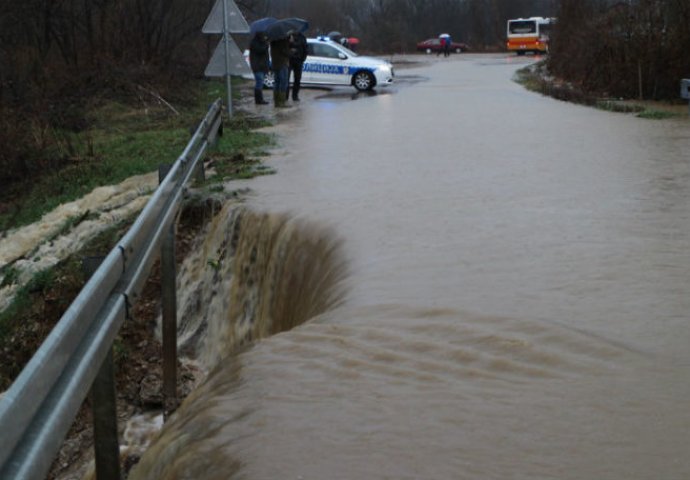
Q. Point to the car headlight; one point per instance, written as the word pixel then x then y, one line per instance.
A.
pixel 386 70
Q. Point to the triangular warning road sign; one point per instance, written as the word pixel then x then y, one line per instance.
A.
pixel 236 21
pixel 237 64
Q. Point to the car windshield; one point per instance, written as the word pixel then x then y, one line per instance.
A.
pixel 348 52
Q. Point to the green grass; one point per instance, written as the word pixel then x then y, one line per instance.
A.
pixel 531 78
pixel 616 106
pixel 39 303
pixel 124 141
pixel 39 283
pixel 235 154
pixel 652 114
pixel 116 158
pixel 9 316
pixel 528 79
pixel 641 111
pixel 10 275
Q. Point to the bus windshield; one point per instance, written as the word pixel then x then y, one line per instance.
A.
pixel 522 27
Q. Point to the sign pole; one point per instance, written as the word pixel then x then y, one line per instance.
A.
pixel 226 39
pixel 227 60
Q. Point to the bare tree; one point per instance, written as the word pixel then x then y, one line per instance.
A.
pixel 628 49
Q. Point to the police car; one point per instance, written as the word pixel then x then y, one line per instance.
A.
pixel 329 64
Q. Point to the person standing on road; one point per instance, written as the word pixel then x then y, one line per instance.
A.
pixel 258 59
pixel 298 54
pixel 280 58
pixel 446 46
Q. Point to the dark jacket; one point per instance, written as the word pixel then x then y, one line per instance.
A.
pixel 298 49
pixel 258 53
pixel 280 53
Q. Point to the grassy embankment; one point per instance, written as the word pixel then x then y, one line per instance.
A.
pixel 536 78
pixel 123 140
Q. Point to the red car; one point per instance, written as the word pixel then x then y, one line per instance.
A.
pixel 434 45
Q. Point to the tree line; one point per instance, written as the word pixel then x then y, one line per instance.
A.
pixel 397 25
pixel 630 49
pixel 57 54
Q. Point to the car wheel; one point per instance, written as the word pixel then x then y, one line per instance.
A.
pixel 458 50
pixel 269 80
pixel 363 80
pixel 428 51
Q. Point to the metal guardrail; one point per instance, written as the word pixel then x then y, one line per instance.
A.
pixel 38 409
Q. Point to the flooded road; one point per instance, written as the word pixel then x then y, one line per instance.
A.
pixel 517 301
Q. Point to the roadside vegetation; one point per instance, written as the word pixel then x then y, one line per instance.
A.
pixel 39 304
pixel 124 140
pixel 90 95
pixel 631 50
pixel 537 78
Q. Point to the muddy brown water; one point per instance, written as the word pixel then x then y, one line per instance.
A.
pixel 517 301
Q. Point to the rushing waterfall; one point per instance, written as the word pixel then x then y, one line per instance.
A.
pixel 252 276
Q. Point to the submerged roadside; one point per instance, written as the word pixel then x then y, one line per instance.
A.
pixel 537 78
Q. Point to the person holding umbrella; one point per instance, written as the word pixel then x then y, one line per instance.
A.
pixel 298 54
pixel 258 60
pixel 280 54
pixel 280 58
pixel 446 42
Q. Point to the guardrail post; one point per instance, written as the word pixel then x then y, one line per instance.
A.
pixel 201 173
pixel 169 310
pixel 104 407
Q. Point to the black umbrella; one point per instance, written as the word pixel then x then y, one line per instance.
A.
pixel 282 28
pixel 335 36
pixel 261 24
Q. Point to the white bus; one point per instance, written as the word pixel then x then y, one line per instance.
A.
pixel 529 35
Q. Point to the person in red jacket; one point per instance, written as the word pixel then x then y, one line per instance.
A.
pixel 446 46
